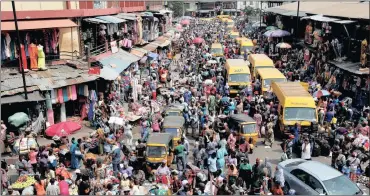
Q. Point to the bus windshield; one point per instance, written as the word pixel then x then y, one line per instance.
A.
pixel 307 114
pixel 239 78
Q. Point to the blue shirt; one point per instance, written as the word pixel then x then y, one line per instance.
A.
pixel 116 156
pixel 329 116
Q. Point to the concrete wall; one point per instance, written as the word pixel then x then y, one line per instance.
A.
pixel 33 5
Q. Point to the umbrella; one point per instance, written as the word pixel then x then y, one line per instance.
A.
pixel 277 33
pixel 271 28
pixel 257 24
pixel 283 45
pixel 153 55
pixel 321 93
pixel 198 40
pixel 185 22
pixel 212 61
pixel 62 129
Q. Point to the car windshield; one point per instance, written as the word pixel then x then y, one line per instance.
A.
pixel 216 51
pixel 156 151
pixel 263 67
pixel 341 185
pixel 267 82
pixel 307 114
pixel 249 128
pixel 172 131
pixel 239 78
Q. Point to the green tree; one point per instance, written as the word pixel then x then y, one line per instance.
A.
pixel 177 8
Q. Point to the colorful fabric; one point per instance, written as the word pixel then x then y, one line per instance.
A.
pixel 23 60
pixel 33 53
pixel 60 96
pixel 41 57
pixel 65 94
pixel 74 92
pixel 86 91
pixel 53 94
pixel 81 89
pixel 50 115
pixel 69 91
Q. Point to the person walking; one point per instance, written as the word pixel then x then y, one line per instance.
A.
pixel 306 150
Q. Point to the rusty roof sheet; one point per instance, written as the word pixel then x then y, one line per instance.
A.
pixel 55 77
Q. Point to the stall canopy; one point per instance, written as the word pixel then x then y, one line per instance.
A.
pixel 111 19
pixel 350 67
pixel 95 20
pixel 353 9
pixel 37 24
pixel 138 52
pixel 34 96
pixel 320 18
pixel 116 63
pixel 150 47
pixel 126 16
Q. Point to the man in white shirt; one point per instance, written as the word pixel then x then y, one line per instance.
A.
pixel 306 150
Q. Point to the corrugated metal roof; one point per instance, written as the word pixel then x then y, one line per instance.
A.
pixel 138 52
pixel 95 20
pixel 34 96
pixel 55 77
pixel 114 64
pixel 150 47
pixel 111 19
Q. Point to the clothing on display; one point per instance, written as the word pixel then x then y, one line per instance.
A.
pixel 74 92
pixel 63 114
pixel 33 53
pixel 60 96
pixel 23 60
pixel 41 57
pixel 65 94
pixel 50 116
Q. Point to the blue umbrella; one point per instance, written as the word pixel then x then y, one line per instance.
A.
pixel 153 55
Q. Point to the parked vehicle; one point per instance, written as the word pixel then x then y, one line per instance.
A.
pixel 314 178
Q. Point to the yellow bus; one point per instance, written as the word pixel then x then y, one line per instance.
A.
pixel 217 49
pixel 267 76
pixel 259 61
pixel 234 34
pixel 223 16
pixel 296 105
pixel 246 45
pixel 237 75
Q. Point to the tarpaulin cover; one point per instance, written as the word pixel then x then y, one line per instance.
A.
pixel 18 119
pixel 62 129
pixel 111 19
pixel 116 63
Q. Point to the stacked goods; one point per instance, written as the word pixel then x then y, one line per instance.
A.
pixel 23 182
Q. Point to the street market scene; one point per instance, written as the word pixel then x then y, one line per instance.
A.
pixel 185 98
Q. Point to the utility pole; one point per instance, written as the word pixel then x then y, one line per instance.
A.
pixel 297 26
pixel 20 53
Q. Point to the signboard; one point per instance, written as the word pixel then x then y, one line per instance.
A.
pixel 114 47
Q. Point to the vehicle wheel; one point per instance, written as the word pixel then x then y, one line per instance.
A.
pixel 286 188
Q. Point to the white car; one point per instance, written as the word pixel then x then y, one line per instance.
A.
pixel 315 178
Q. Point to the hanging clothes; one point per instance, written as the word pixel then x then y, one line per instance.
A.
pixel 69 91
pixel 65 94
pixel 63 114
pixel 3 48
pixel 27 42
pixel 81 89
pixel 41 57
pixel 86 91
pixel 33 52
pixel 74 92
pixel 53 94
pixel 55 40
pixel 7 45
pixel 12 50
pixel 60 96
pixel 46 41
pixel 23 60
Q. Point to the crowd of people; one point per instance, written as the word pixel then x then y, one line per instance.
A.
pixel 109 162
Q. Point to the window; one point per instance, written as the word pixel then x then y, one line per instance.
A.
pixel 156 151
pixel 239 78
pixel 308 114
pixel 308 180
pixel 267 82
pixel 249 128
pixel 341 185
pixel 172 131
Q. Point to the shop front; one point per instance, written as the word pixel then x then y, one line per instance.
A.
pixel 41 42
pixel 150 26
pixel 132 29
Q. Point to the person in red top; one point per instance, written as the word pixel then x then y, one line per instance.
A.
pixel 32 155
pixel 276 189
pixel 63 186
